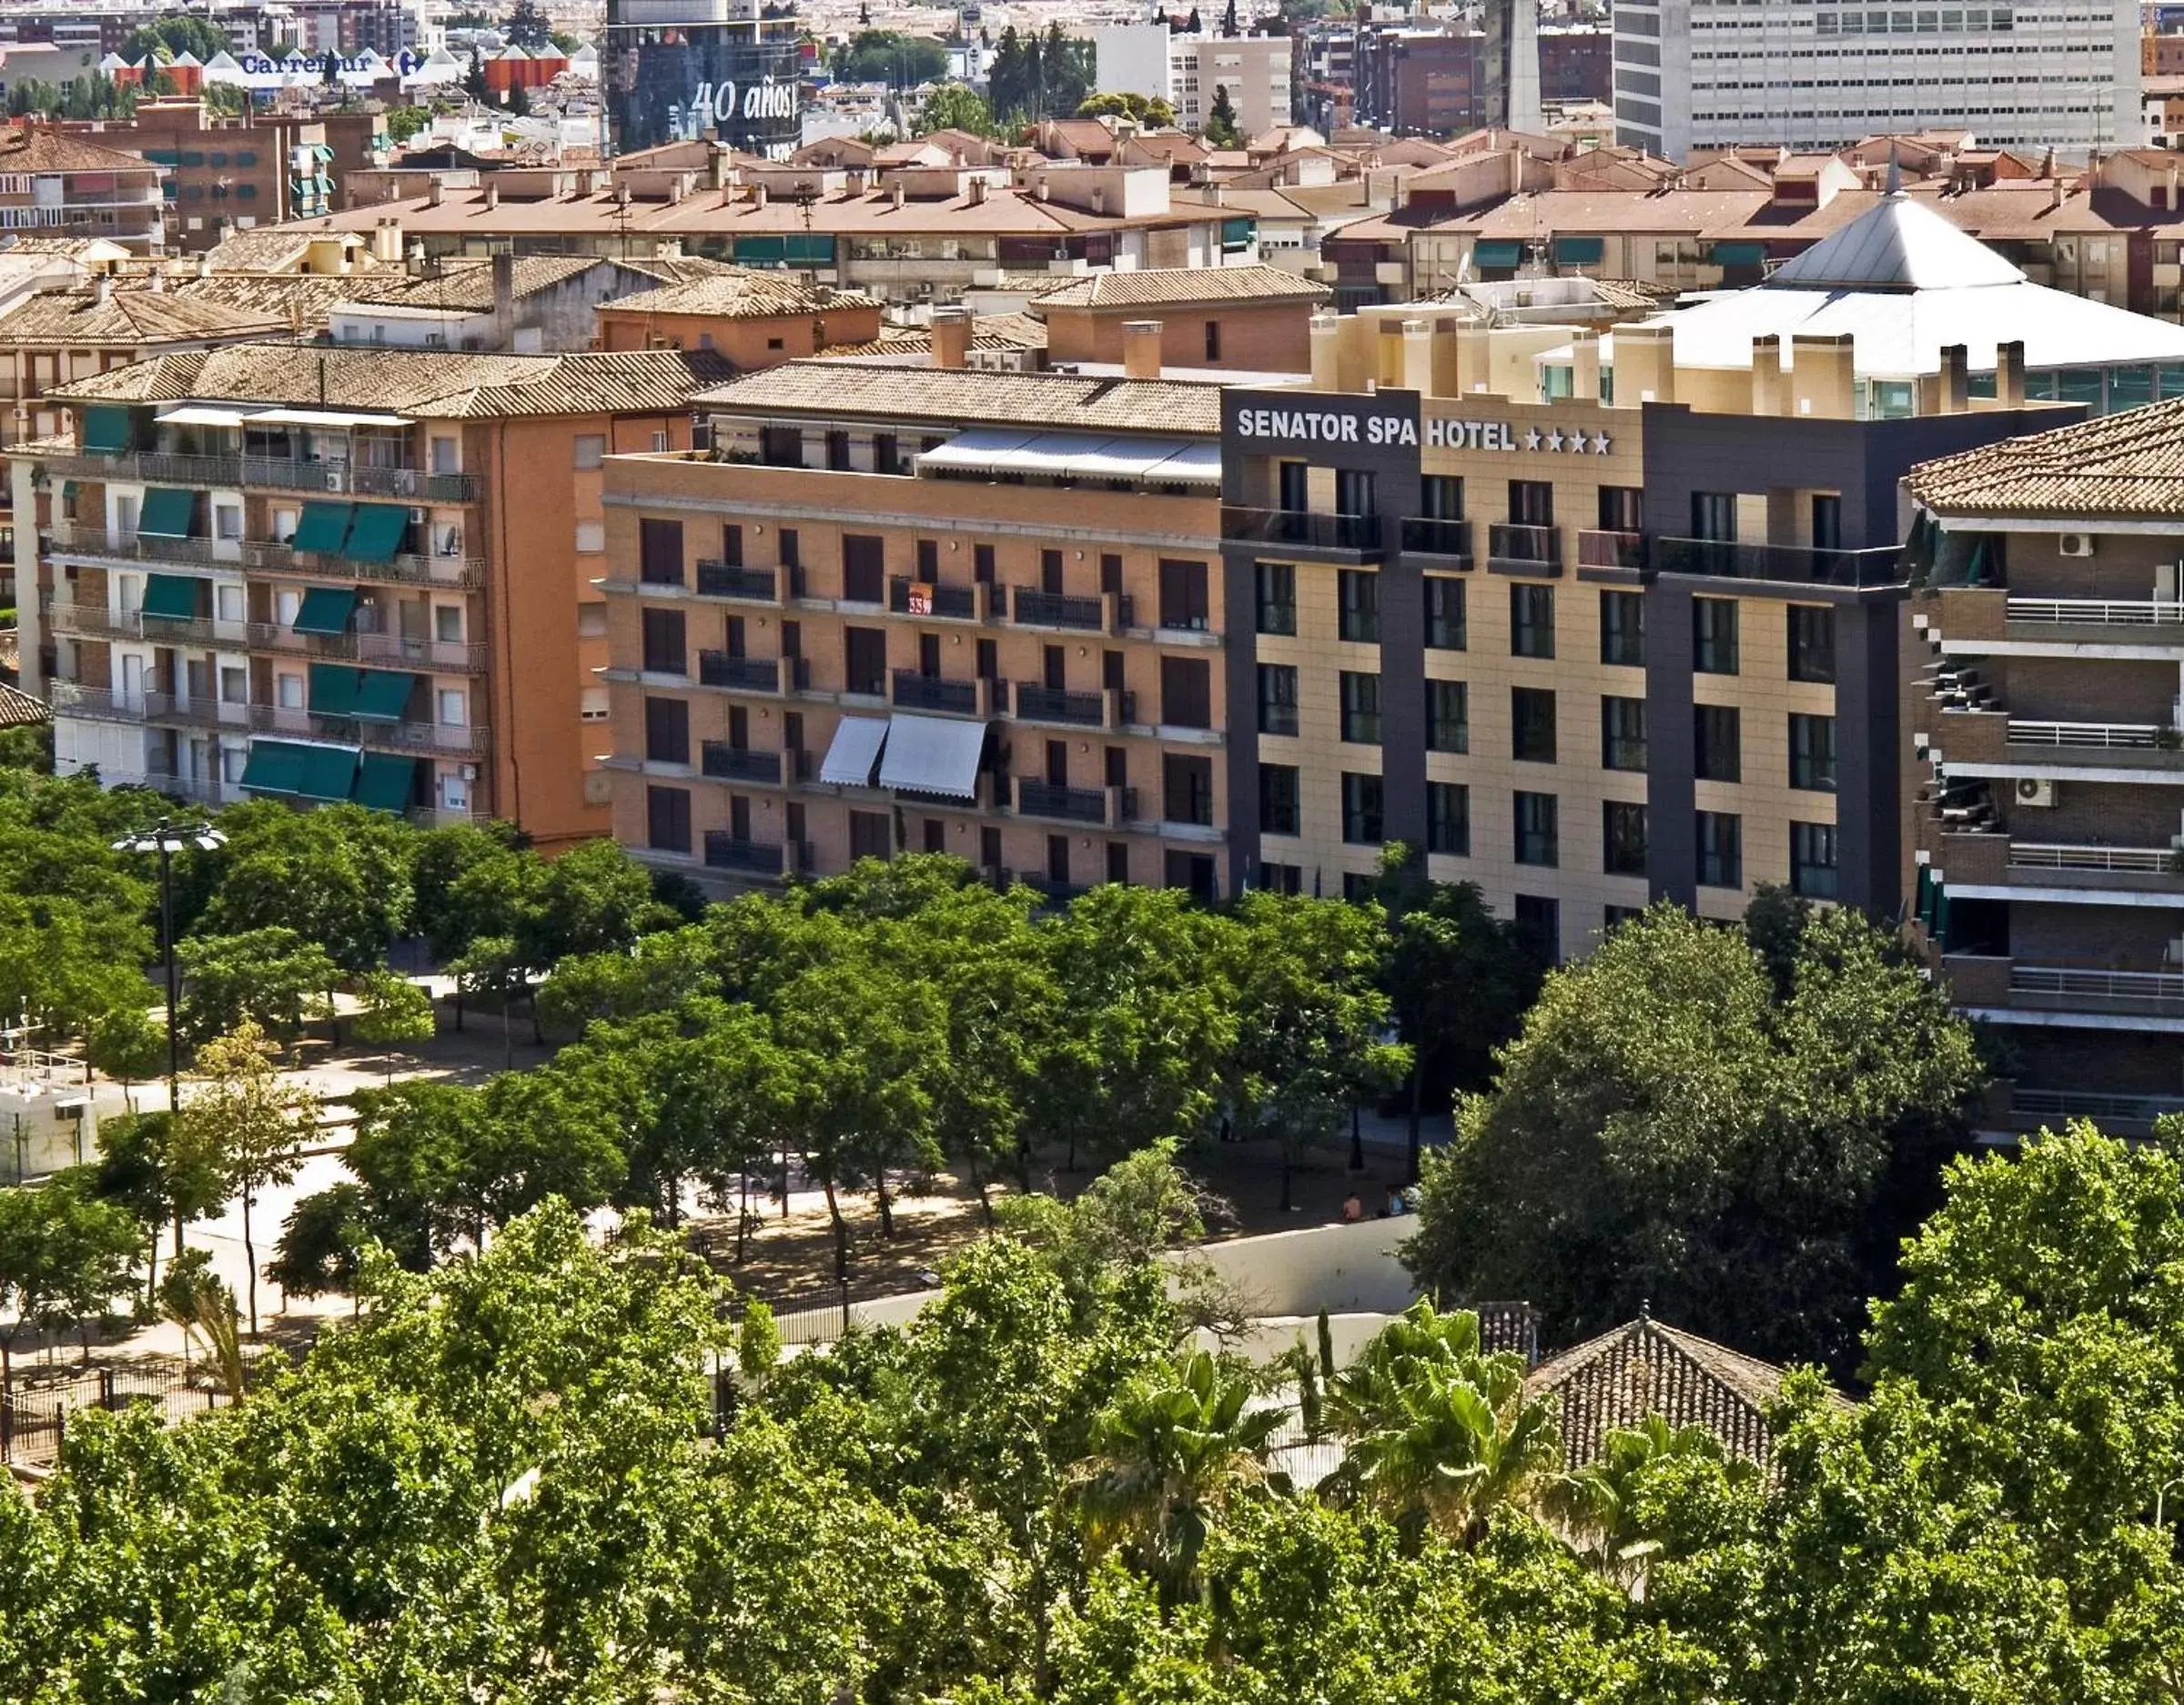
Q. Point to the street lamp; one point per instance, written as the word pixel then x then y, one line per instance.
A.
pixel 168 838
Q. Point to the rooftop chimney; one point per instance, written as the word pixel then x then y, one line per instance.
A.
pixel 1955 379
pixel 436 194
pixel 1100 199
pixel 978 192
pixel 504 292
pixel 2009 375
pixel 1141 348
pixel 950 337
pixel 493 196
pixel 898 196
pixel 758 194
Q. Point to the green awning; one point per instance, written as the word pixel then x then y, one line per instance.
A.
pixel 1738 254
pixel 385 782
pixel 1497 252
pixel 166 512
pixel 1579 251
pixel 809 251
pixel 333 690
pixel 326 610
pixel 760 249
pixel 328 772
pixel 108 430
pixel 323 527
pixel 274 766
pixel 375 532
pixel 170 597
pixel 382 694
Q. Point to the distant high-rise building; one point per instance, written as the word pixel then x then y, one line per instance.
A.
pixel 1512 63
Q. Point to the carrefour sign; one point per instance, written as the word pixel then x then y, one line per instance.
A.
pixel 715 103
pixel 404 63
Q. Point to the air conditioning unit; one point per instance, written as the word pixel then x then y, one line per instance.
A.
pixel 2032 791
pixel 334 479
pixel 2075 544
pixel 470 772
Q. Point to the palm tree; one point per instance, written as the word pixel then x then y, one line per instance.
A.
pixel 1441 1433
pixel 1602 1511
pixel 1174 1450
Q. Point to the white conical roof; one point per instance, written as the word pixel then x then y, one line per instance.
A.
pixel 1895 245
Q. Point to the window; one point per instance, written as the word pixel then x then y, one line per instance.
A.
pixel 982 564
pixel 1449 818
pixel 1213 342
pixel 928 561
pixel 1624 851
pixel 1622 629
pixel 1118 858
pixel 1716 742
pixel 886 453
pixel 1813 860
pixel 1621 733
pixel 1714 635
pixel 1813 754
pixel 1360 809
pixel 1448 716
pixel 667 819
pixel 1277 584
pixel 1441 496
pixel 447 455
pixel 235 684
pixel 864 661
pixel 1186 693
pixel 1538 830
pixel 1276 698
pixel 1532 620
pixel 1278 794
pixel 659 552
pixel 1622 509
pixel 782 446
pixel 1721 850
pixel 871 834
pixel 666 647
pixel 1531 503
pixel 1281 878
pixel 1050 573
pixel 731 546
pixel 863 569
pixel 1444 613
pixel 785 543
pixel 591 537
pixel 591 448
pixel 1361 708
pixel 1057 860
pixel 1183 596
pixel 228 602
pixel 1360 592
pixel 1812 643
pixel 1714 515
pixel 446 622
pixel 1532 724
pixel 1539 921
pixel 288 691
pixel 1354 492
pixel 454 708
pixel 226 520
pixel 666 730
pixel 1187 789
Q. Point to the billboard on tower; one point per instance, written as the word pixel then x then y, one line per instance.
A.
pixel 672 70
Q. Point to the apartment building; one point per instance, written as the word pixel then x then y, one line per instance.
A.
pixel 2044 685
pixel 1711 74
pixel 926 607
pixel 1243 319
pixel 55 185
pixel 314 573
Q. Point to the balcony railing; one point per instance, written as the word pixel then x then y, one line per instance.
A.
pixel 2097 611
pixel 1598 547
pixel 100 705
pixel 1296 529
pixel 739 674
pixel 2109 736
pixel 727 580
pixel 196 790
pixel 70 538
pixel 723 851
pixel 725 762
pixel 2104 1110
pixel 914 692
pixel 2120 860
pixel 280 473
pixel 924 597
pixel 1433 536
pixel 95 621
pixel 2070 988
pixel 1799 565
pixel 1530 550
pixel 1038 703
pixel 1031 608
pixel 1107 806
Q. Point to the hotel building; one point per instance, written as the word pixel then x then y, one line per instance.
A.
pixel 317 573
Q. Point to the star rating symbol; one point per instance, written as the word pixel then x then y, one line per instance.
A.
pixel 1577 442
pixel 1600 444
pixel 1532 440
pixel 1554 440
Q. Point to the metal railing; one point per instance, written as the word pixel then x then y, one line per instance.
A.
pixel 1038 703
pixel 725 851
pixel 2078 1104
pixel 1538 549
pixel 1598 547
pixel 264 556
pixel 1435 536
pixel 729 579
pixel 739 674
pixel 1800 565
pixel 2112 736
pixel 1032 608
pixel 35 1418
pixel 915 691
pixel 906 597
pixel 2132 859
pixel 278 473
pixel 1350 535
pixel 198 790
pixel 725 762
pixel 2150 992
pixel 97 621
pixel 100 705
pixel 2097 611
pixel 1075 804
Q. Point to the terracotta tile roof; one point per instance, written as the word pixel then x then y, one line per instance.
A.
pixel 988 331
pixel 954 397
pixel 33 149
pixel 280 249
pixel 302 300
pixel 130 318
pixel 470 288
pixel 19 709
pixel 1643 1368
pixel 2129 464
pixel 431 384
pixel 1179 286
pixel 740 295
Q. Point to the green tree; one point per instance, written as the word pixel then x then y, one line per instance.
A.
pixel 1612 1509
pixel 197 1299
pixel 1667 1128
pixel 253 1121
pixel 1221 128
pixel 392 1011
pixel 66 1258
pixel 527 26
pixel 473 80
pixel 161 1170
pixel 337 877
pixel 321 1251
pixel 65 964
pixel 127 1044
pixel 889 57
pixel 594 899
pixel 954 107
pixel 1149 110
pixel 421 1152
pixel 270 977
pixel 172 36
pixel 405 122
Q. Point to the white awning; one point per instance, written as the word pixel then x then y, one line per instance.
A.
pixel 203 415
pixel 334 419
pixel 1194 464
pixel 1074 456
pixel 854 750
pixel 977 451
pixel 933 754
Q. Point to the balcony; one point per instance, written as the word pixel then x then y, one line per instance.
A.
pixel 1031 608
pixel 1598 547
pixel 262 556
pixel 726 580
pixel 1108 708
pixel 2071 989
pixel 725 762
pixel 1515 550
pixel 2117 1116
pixel 739 674
pixel 1433 536
pixel 1338 537
pixel 2101 736
pixel 196 790
pixel 725 851
pixel 1795 565
pixel 1104 807
pixel 934 603
pixel 98 704
pixel 2119 860
pixel 914 692
pixel 2097 612
pixel 277 473
pixel 95 621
